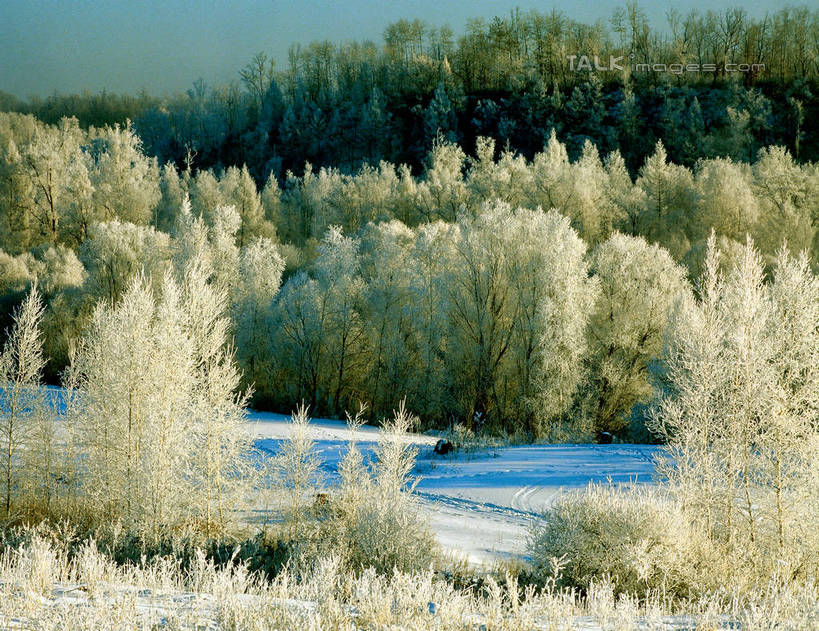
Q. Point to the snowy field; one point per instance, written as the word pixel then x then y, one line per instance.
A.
pixel 480 504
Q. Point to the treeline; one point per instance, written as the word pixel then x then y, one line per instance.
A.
pixel 509 293
pixel 347 105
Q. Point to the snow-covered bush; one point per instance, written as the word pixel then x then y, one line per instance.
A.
pixel 43 587
pixel 296 471
pixel 375 517
pixel 371 520
pixel 635 537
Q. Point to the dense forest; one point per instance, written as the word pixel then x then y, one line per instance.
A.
pixel 465 224
pixel 509 78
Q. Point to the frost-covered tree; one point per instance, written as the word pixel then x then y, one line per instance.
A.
pixel 54 269
pixel 376 521
pixel 434 260
pixel 519 298
pixel 639 286
pixel 440 118
pixel 219 472
pixel 82 210
pixel 238 189
pixel 320 337
pixel 725 200
pixel 190 239
pixel 51 163
pixel 260 276
pixel 17 225
pixel 788 202
pixel 482 313
pixel 668 202
pixel 133 416
pixel 592 209
pixel 161 418
pixel 553 297
pixel 172 190
pixel 338 275
pixel 318 329
pixel 509 179
pixel 115 251
pixel 300 328
pixel 21 396
pixel 205 194
pixel 740 411
pixel 790 439
pixel 351 201
pixel 124 179
pixel 552 181
pixel 303 199
pixel 388 273
pixel 442 193
pixel 627 198
pixel 225 224
pixel 271 198
pixel 37 456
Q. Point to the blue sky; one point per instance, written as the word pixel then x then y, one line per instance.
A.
pixel 164 46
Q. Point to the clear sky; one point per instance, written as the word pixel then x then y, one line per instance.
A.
pixel 165 45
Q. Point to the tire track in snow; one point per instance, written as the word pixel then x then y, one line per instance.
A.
pixel 480 504
pixel 467 506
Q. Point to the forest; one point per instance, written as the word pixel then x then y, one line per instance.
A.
pixel 345 105
pixel 523 293
pixel 457 235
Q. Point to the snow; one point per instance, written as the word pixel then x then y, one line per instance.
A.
pixel 480 504
pixel 159 609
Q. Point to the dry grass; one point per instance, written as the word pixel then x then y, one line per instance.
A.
pixel 41 588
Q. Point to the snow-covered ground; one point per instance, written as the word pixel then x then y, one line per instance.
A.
pixel 480 504
pixel 125 606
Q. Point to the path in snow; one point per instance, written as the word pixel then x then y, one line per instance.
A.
pixel 481 504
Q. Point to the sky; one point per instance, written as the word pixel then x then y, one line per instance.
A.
pixel 164 46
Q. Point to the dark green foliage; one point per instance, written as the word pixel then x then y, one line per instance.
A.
pixel 345 105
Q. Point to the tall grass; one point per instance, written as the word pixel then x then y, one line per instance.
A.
pixel 41 587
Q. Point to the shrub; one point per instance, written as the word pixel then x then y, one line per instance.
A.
pixel 97 593
pixel 370 521
pixel 374 517
pixel 635 537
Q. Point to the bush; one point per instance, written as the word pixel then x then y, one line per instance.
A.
pixel 374 517
pixel 384 533
pixel 635 537
pixel 370 521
